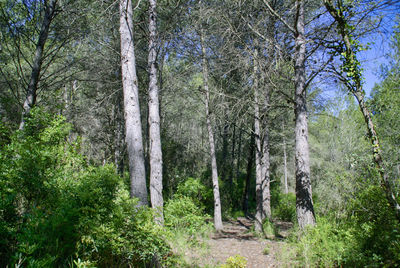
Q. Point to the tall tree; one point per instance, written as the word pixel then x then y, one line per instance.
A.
pixel 133 126
pixel 30 100
pixel 214 172
pixel 304 203
pixel 156 186
pixel 259 217
pixel 347 48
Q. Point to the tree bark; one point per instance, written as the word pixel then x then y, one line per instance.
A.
pixel 285 167
pixel 259 217
pixel 265 163
pixel 250 160
pixel 304 203
pixel 156 186
pixel 217 202
pixel 133 125
pixel 119 135
pixel 30 99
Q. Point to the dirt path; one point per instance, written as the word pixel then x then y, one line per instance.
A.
pixel 236 238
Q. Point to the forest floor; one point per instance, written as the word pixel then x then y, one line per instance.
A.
pixel 237 239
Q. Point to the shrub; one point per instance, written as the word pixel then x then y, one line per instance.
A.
pixel 55 207
pixel 236 261
pixel 325 245
pixel 182 213
pixel 286 208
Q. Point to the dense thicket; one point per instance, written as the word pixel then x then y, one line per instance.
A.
pixel 249 101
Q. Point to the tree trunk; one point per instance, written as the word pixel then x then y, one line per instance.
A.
pixel 377 154
pixel 248 176
pixel 257 136
pixel 265 162
pixel 285 167
pixel 356 89
pixel 285 161
pixel 119 135
pixel 133 126
pixel 239 155
pixel 154 120
pixel 223 160
pixel 30 99
pixel 304 203
pixel 217 202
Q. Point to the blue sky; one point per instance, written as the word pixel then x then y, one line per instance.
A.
pixel 377 55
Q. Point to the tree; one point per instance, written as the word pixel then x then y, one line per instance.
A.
pixel 348 48
pixel 154 120
pixel 304 203
pixel 217 202
pixel 30 100
pixel 133 126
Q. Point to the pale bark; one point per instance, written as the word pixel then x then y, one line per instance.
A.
pixel 156 186
pixel 217 202
pixel 265 163
pixel 304 203
pixel 259 217
pixel 133 126
pixel 30 99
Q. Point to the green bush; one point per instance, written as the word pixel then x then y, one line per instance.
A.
pixel 55 208
pixel 236 261
pixel 194 189
pixel 376 231
pixel 325 245
pixel 285 209
pixel 182 213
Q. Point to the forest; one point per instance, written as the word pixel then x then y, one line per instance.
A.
pixel 209 133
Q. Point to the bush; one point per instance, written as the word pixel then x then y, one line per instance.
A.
pixel 55 208
pixel 325 245
pixel 186 210
pixel 236 261
pixel 286 208
pixel 182 213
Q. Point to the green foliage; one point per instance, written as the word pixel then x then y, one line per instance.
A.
pixel 55 207
pixel 186 210
pixel 269 229
pixel 183 213
pixel 376 231
pixel 236 261
pixel 325 245
pixel 285 208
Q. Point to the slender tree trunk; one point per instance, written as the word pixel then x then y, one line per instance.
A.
pixel 250 161
pixel 232 158
pixel 30 100
pixel 223 160
pixel 304 203
pixel 257 136
pixel 265 163
pixel 356 89
pixel 217 202
pixel 377 154
pixel 154 120
pixel 239 155
pixel 133 126
pixel 119 135
pixel 285 167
